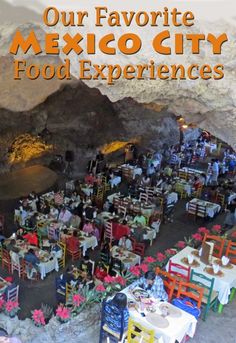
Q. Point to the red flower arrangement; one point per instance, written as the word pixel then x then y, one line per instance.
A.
pixel 197 237
pixel 135 270
pixel 62 314
pixel 216 229
pixel 180 244
pixel 160 257
pixel 100 288
pixel 203 230
pixel 143 267
pixel 120 280
pixel 149 259
pixel 38 318
pixel 2 303
pixel 11 308
pixel 77 300
pixel 170 252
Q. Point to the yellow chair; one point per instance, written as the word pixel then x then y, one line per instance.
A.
pixel 183 175
pixel 62 260
pixel 180 190
pixel 69 293
pixel 138 333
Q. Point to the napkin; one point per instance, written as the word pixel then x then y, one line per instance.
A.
pixel 224 260
pixel 216 268
pixel 190 259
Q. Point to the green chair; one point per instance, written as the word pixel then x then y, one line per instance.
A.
pixel 210 297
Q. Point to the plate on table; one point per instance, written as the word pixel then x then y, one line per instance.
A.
pixel 227 266
pixel 173 311
pixel 140 293
pixel 157 320
pixel 210 271
pixel 193 264
pixel 195 253
pixel 127 260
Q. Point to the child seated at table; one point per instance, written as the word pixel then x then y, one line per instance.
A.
pixel 100 271
pixel 32 238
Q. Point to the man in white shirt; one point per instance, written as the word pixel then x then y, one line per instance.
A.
pixel 125 243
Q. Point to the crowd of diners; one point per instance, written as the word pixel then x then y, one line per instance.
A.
pixel 81 209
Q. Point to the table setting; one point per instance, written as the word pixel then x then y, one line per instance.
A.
pixel 127 257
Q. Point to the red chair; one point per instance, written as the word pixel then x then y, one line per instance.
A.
pixel 218 244
pixel 181 273
pixel 168 280
pixel 190 290
pixel 73 249
pixel 139 249
pixel 231 252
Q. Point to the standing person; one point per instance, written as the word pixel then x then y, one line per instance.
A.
pixel 215 171
pixel 209 174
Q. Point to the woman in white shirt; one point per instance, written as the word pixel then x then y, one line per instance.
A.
pixel 125 243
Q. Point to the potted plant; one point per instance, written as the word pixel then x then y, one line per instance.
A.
pixel 63 314
pixel 11 308
pixel 38 318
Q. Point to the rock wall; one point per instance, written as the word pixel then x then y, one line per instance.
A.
pixel 81 119
pixel 84 327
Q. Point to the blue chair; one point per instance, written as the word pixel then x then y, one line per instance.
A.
pixel 109 313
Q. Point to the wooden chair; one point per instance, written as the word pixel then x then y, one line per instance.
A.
pixel 231 252
pixel 138 333
pixel 180 190
pixel 143 197
pixel 122 211
pixel 220 199
pixel 62 260
pixel 201 211
pixel 69 292
pixel 183 175
pixel 198 193
pixel 192 291
pixel 218 244
pixel 6 260
pixel 75 255
pixel 15 264
pixel 168 280
pixel 108 231
pixel 192 210
pixel 13 294
pixel 139 249
pixel 210 297
pixel 105 320
pixel 181 273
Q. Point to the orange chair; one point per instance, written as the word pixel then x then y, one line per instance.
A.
pixel 6 260
pixel 190 290
pixel 231 252
pixel 218 244
pixel 75 255
pixel 181 273
pixel 168 280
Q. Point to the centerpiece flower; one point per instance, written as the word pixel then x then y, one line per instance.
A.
pixel 216 229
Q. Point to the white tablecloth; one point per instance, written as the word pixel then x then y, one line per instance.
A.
pixel 191 171
pixel 112 196
pixel 115 181
pixel 186 186
pixel 177 329
pixel 47 267
pixel 87 191
pixel 222 284
pixel 211 208
pixel 88 242
pixel 231 197
pixel 135 259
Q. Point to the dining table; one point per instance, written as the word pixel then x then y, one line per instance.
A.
pixel 174 326
pixel 211 208
pixel 127 257
pixel 224 281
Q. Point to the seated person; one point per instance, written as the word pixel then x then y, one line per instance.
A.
pixel 73 242
pixel 125 243
pixel 54 212
pixel 151 283
pixel 12 246
pixel 145 181
pixel 113 309
pixel 105 253
pixel 89 179
pixel 45 209
pixel 32 221
pixel 85 265
pixel 140 219
pixel 86 281
pixel 64 235
pixel 88 227
pixel 31 258
pixel 196 183
pixel 116 267
pixel 100 271
pixel 32 238
pixel 55 248
pixel 75 221
pixel 64 216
